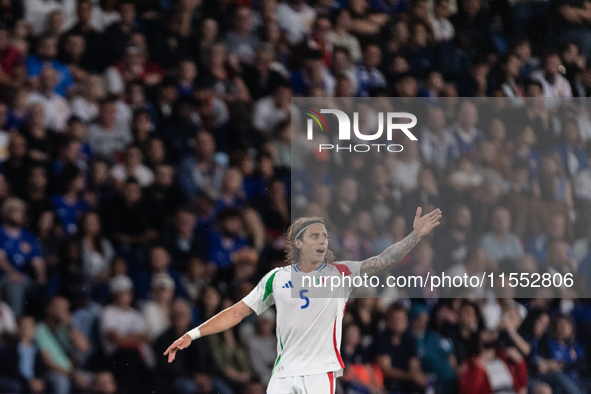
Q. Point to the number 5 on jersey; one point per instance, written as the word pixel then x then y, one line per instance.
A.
pixel 303 297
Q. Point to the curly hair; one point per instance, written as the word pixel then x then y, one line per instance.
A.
pixel 292 254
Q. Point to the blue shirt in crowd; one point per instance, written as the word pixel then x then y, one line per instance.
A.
pixel 64 78
pixel 68 213
pixel 21 249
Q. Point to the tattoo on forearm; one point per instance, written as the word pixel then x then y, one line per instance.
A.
pixel 389 257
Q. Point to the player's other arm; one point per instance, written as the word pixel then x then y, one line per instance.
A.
pixel 227 318
pixel 394 253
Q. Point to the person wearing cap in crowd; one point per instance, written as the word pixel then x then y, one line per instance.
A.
pixel 124 333
pixel 156 311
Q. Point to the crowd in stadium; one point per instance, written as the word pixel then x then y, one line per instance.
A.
pixel 145 185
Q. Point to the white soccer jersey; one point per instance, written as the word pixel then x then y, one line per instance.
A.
pixel 308 329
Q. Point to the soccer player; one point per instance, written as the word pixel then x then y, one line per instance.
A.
pixel 308 329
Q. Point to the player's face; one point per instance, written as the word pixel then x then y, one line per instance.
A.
pixel 314 244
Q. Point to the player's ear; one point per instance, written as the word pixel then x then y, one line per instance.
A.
pixel 298 243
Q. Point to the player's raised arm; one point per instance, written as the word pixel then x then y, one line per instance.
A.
pixel 224 320
pixel 394 253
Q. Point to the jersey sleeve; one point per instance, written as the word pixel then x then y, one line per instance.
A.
pixel 262 297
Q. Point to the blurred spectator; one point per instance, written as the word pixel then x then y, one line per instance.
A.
pixel 493 369
pixel 295 18
pixel 366 314
pixel 195 279
pixel 183 241
pixel 156 311
pixel 7 321
pixel 357 238
pixel 437 146
pixel 129 219
pixel 108 137
pixel 104 383
pixel 12 70
pixel 192 373
pixel 397 354
pixel 231 191
pixel 179 133
pixel 276 211
pixel 68 205
pixel 119 33
pixel 20 256
pixel 227 239
pixel 359 373
pixel 466 333
pixel 241 41
pixel 341 37
pixel 86 104
pixel 435 352
pixel 572 153
pixel 443 30
pixel 500 244
pixel 164 195
pixel 97 251
pixel 92 40
pixel 201 172
pixel 555 230
pixel 553 83
pixel 564 357
pixel 426 194
pixel 465 132
pixel 264 74
pixel 559 258
pixel 45 58
pixel 471 25
pixel 255 229
pixel 125 336
pixel 133 167
pixel 570 19
pixel 367 73
pixel 55 107
pixel 452 246
pixel 62 346
pixel 160 264
pixel 262 347
pixel 231 357
pixel 343 208
pixel 200 114
pixel 23 366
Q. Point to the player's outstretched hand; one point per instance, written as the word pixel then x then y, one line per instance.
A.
pixel 180 344
pixel 424 225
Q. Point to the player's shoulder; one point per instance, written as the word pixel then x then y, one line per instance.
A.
pixel 275 271
pixel 345 267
